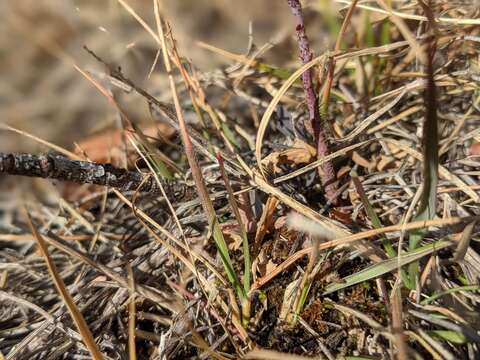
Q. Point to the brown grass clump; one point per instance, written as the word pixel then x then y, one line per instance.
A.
pixel 307 199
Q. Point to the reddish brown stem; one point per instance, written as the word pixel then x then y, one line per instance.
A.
pixel 326 171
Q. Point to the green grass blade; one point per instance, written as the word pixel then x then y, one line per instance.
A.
pixel 226 260
pixel 281 73
pixel 372 215
pixel 449 335
pixel 386 266
pixel 230 135
pixel 150 153
pixel 243 232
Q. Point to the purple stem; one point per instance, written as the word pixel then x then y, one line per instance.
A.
pixel 326 171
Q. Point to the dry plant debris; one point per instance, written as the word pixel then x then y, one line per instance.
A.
pixel 326 208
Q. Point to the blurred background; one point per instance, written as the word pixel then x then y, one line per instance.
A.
pixel 41 92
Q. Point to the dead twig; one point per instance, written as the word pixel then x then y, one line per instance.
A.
pixel 55 166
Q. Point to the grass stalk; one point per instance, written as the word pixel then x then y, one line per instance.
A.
pixel 197 173
pixel 233 204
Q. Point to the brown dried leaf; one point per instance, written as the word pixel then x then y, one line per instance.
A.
pixel 299 153
pixel 266 220
pixel 361 161
pixel 385 162
pixel 474 149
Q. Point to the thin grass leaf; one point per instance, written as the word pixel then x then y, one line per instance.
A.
pixel 449 335
pixel 372 215
pixel 427 208
pixel 76 315
pixel 369 34
pixel 436 296
pixel 385 33
pixel 263 354
pixel 301 301
pixel 243 231
pixel 132 314
pixel 464 242
pixel 397 321
pixel 313 267
pixel 225 256
pixel 229 134
pixel 151 154
pixel 281 73
pixel 386 266
pixel 196 171
pixel 430 141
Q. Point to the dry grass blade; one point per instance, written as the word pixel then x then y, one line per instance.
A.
pixel 317 163
pixel 137 17
pixel 443 172
pixel 372 215
pixel 288 83
pixel 262 128
pixel 404 29
pixel 331 70
pixel 365 318
pixel 310 227
pixel 397 324
pixel 233 204
pixel 403 15
pixel 144 291
pixel 48 144
pixel 262 354
pixel 143 217
pixel 76 315
pixel 370 119
pixel 464 242
pixel 266 219
pixel 132 314
pixel 196 171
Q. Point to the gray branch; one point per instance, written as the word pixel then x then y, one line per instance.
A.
pixel 54 166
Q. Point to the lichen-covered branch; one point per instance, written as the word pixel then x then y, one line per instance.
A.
pixel 326 171
pixel 54 166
